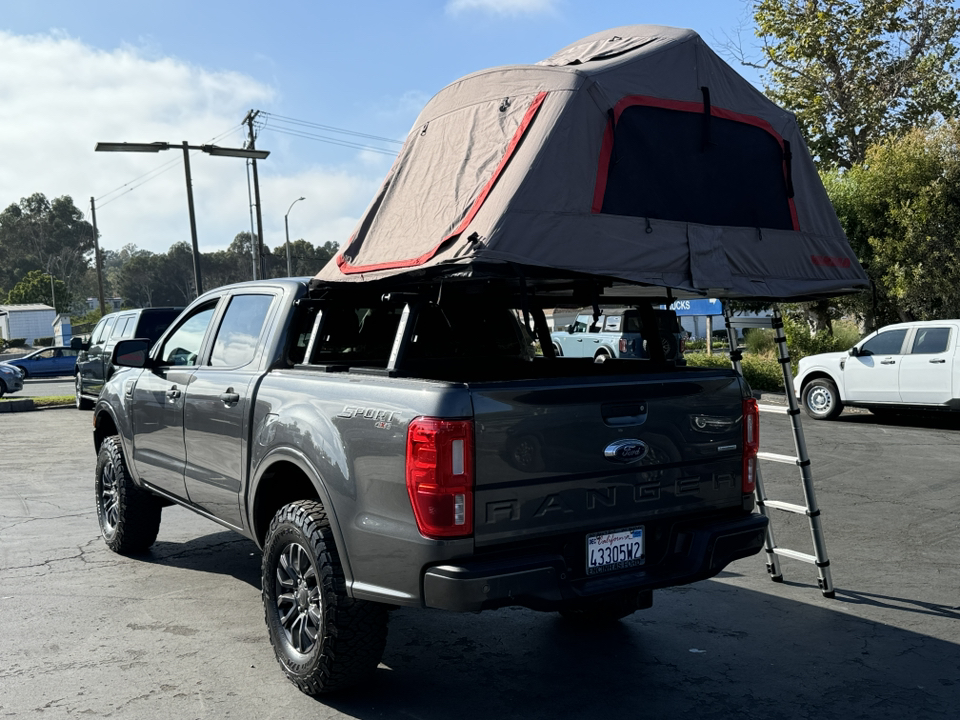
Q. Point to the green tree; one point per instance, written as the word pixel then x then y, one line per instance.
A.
pixel 36 288
pixel 901 211
pixel 855 71
pixel 38 234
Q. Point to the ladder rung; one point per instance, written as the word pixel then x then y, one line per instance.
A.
pixel 754 322
pixel 802 557
pixel 782 409
pixel 787 459
pixel 786 507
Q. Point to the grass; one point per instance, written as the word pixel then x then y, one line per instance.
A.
pixel 49 401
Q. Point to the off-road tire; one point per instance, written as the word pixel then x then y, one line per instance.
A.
pixel 129 516
pixel 80 401
pixel 607 610
pixel 323 639
pixel 557 350
pixel 3 388
pixel 821 399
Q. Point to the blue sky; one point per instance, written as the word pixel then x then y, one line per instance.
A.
pixel 72 74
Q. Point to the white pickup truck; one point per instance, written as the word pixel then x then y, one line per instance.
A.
pixel 908 365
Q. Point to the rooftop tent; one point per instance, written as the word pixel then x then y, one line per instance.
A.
pixel 635 154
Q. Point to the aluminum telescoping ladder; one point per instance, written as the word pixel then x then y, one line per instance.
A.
pixel 802 459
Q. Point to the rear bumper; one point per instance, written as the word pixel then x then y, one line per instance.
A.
pixel 541 582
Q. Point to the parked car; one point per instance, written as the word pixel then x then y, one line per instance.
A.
pixel 94 366
pixel 11 379
pixel 907 365
pixel 46 362
pixel 617 333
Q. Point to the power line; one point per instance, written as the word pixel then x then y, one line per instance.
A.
pixel 331 141
pixel 330 128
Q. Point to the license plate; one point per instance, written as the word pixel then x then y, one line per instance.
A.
pixel 614 550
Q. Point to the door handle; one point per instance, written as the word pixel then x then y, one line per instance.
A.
pixel 173 393
pixel 888 362
pixel 938 360
pixel 230 398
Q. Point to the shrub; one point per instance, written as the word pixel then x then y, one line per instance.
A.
pixel 761 371
pixel 16 342
pixel 43 342
pixel 760 341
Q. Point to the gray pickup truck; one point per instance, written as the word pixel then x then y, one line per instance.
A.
pixel 408 448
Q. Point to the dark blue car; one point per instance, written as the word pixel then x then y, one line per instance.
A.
pixel 47 361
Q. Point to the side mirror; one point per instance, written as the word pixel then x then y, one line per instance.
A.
pixel 854 351
pixel 132 353
pixel 77 343
pixel 570 328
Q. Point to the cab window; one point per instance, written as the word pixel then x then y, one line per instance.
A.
pixel 931 340
pixel 612 323
pixel 239 333
pixel 103 330
pixel 183 346
pixel 886 343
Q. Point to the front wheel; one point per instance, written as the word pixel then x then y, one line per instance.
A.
pixel 821 399
pixel 323 639
pixel 129 515
pixel 81 402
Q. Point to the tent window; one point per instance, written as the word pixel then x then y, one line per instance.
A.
pixel 660 168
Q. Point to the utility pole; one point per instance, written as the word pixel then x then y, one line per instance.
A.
pixel 251 145
pixel 96 257
pixel 193 220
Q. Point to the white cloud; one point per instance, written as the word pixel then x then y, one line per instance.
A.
pixel 61 96
pixel 504 7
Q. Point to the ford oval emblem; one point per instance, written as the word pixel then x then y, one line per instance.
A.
pixel 625 451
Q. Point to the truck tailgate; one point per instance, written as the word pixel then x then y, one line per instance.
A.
pixel 547 461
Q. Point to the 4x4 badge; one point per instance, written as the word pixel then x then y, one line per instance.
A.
pixel 625 451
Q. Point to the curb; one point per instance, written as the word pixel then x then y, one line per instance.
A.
pixel 12 406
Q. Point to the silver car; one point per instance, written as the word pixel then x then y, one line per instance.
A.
pixel 11 379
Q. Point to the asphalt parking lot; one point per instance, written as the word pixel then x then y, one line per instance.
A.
pixel 179 633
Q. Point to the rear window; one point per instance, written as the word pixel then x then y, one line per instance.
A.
pixel 689 167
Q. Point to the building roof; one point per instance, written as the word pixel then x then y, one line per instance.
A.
pixel 25 308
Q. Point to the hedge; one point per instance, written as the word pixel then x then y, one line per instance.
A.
pixel 761 371
pixel 43 342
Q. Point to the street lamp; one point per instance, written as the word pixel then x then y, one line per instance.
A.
pixel 286 226
pixel 210 150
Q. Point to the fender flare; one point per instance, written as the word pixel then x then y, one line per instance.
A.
pixel 295 456
pixel 818 371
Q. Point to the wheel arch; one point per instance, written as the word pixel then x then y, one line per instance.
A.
pixel 818 374
pixel 286 475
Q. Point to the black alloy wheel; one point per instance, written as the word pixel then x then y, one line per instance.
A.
pixel 323 639
pixel 129 516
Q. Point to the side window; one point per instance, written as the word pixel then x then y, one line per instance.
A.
pixel 236 343
pixel 183 346
pixel 69 352
pixel 45 355
pixel 930 341
pixel 102 331
pixel 633 323
pixel 886 343
pixel 612 323
pixel 125 326
pixel 582 323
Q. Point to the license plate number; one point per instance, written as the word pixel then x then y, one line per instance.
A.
pixel 614 550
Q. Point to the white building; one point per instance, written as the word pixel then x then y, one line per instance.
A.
pixel 27 321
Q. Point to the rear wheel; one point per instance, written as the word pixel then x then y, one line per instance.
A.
pixel 129 516
pixel 323 639
pixel 3 388
pixel 821 400
pixel 81 402
pixel 601 356
pixel 608 610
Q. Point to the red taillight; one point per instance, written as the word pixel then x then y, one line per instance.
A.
pixel 623 345
pixel 440 476
pixel 751 443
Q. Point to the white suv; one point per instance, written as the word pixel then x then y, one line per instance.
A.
pixel 904 365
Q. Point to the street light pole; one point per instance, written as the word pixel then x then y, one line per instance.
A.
pixel 210 150
pixel 193 220
pixel 97 258
pixel 286 226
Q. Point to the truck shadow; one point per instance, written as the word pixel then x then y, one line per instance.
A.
pixel 930 421
pixel 705 651
pixel 223 553
pixel 712 650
